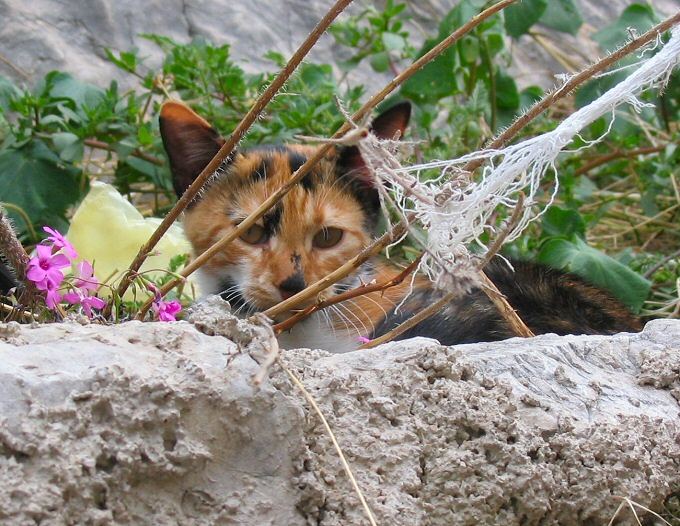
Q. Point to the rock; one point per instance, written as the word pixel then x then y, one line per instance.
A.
pixel 159 424
pixel 43 35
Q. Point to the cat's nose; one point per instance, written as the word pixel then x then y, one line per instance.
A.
pixel 292 285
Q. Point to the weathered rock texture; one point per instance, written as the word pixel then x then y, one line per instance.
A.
pixel 159 424
pixel 42 35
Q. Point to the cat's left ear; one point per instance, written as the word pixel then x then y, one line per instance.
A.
pixel 189 141
pixel 391 124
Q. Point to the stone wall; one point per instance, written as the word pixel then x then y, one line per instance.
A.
pixel 42 35
pixel 160 424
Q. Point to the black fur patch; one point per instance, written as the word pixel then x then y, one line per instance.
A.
pixel 227 292
pixel 295 160
pixel 261 171
pixel 272 220
pixel 545 299
pixel 7 279
pixel 293 283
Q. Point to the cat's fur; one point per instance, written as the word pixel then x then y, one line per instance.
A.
pixel 288 249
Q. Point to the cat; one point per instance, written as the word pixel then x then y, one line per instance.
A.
pixel 325 220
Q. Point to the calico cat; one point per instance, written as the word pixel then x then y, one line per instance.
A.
pixel 327 219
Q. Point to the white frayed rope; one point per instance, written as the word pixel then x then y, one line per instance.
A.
pixel 455 211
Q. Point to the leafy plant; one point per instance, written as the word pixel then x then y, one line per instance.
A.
pixel 620 197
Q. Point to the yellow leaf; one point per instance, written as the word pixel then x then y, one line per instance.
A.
pixel 108 231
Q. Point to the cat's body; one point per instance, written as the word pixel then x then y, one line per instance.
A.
pixel 324 221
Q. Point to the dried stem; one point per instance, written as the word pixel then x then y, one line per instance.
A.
pixel 11 248
pixel 515 322
pixel 296 381
pixel 322 151
pixel 617 154
pixel 101 145
pixel 412 321
pixel 16 257
pixel 504 308
pixel 230 143
pixel 572 83
pixel 350 294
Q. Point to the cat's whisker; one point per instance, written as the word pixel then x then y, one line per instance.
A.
pixel 382 309
pixel 346 319
pixel 351 315
pixel 329 322
pixel 355 305
pixel 339 315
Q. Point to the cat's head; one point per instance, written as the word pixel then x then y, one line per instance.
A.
pixel 319 224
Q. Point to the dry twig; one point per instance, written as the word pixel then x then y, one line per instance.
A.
pixel 617 154
pixel 362 290
pixel 229 145
pixel 321 152
pixel 490 289
pixel 296 381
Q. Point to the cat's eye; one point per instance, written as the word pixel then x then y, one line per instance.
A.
pixel 327 237
pixel 255 235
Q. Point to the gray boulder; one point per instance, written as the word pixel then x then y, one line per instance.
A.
pixel 161 424
pixel 43 35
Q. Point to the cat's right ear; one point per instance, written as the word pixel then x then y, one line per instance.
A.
pixel 189 141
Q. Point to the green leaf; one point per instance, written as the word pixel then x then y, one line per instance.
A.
pixel 562 15
pixel 639 17
pixel 8 92
pixel 584 188
pixel 597 268
pixel 469 50
pixel 507 94
pixel 436 80
pixel 563 222
pixel 127 60
pixel 529 96
pixel 81 93
pixel 393 42
pixel 648 202
pixel 380 62
pixel 68 146
pixel 521 16
pixel 495 43
pixel 31 179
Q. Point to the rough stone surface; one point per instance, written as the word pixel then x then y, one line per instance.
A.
pixel 42 35
pixel 159 424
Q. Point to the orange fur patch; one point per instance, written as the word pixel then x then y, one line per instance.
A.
pixel 262 267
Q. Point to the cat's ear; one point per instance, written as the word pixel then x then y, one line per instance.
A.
pixel 390 124
pixel 189 141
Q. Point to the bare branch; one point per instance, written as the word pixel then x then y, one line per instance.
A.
pixel 350 294
pixel 321 152
pixel 231 142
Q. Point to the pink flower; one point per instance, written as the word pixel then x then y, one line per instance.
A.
pixel 85 279
pixel 363 339
pixel 85 284
pixel 80 297
pixel 166 310
pixel 52 298
pixel 45 267
pixel 60 242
